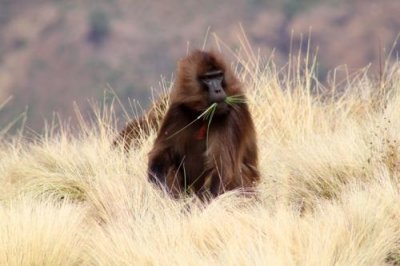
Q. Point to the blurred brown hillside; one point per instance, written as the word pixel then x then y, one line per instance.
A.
pixel 55 52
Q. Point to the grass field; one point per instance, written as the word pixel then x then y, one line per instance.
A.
pixel 329 195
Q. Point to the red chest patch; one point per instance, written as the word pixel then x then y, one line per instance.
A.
pixel 201 134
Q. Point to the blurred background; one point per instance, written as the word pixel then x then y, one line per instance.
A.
pixel 55 52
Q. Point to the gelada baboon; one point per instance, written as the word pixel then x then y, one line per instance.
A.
pixel 198 150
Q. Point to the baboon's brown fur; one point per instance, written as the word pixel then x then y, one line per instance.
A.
pixel 182 158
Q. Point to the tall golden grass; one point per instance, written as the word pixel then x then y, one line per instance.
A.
pixel 329 194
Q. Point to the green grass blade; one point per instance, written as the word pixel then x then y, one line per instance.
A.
pixel 205 115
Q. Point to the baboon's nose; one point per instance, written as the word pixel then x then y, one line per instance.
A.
pixel 217 94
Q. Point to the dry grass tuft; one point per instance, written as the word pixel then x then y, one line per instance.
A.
pixel 329 194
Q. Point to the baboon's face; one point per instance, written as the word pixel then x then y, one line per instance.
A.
pixel 203 79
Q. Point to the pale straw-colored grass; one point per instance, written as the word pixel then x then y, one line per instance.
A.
pixel 329 191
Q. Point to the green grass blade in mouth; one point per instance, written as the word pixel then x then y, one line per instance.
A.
pixel 210 119
pixel 210 110
pixel 235 99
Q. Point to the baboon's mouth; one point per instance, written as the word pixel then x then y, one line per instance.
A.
pixel 222 108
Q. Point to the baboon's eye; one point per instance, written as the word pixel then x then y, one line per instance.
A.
pixel 215 74
pixel 223 83
pixel 212 81
pixel 211 78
